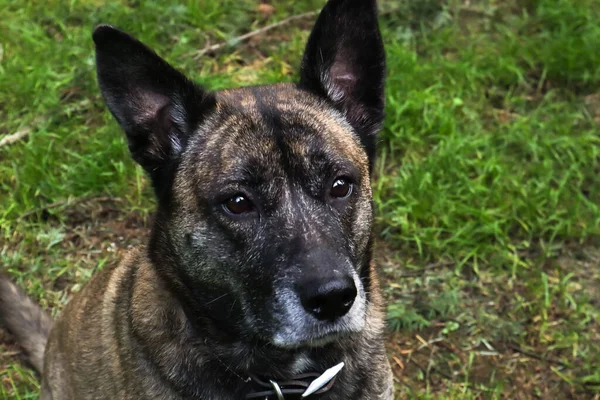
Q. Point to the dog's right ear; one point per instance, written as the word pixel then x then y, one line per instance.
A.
pixel 156 105
pixel 344 61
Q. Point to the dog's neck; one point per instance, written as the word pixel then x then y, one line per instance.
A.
pixel 301 385
pixel 308 384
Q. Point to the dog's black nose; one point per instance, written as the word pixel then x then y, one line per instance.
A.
pixel 328 300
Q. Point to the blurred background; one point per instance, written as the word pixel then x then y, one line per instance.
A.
pixel 487 188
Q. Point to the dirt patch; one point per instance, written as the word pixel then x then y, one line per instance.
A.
pixel 498 341
pixel 92 233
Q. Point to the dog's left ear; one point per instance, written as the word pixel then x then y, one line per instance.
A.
pixel 345 62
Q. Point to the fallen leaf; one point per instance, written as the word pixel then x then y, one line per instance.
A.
pixel 266 9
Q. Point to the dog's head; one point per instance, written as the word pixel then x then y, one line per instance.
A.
pixel 265 214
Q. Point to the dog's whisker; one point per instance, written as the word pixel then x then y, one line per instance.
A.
pixel 217 298
pixel 233 303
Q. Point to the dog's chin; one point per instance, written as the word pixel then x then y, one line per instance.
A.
pixel 311 341
pixel 319 334
pixel 324 340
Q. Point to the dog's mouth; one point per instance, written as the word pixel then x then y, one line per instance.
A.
pixel 304 338
pixel 325 339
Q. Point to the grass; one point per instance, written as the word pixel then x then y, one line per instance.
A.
pixel 487 189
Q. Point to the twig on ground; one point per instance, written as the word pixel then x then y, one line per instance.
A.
pixel 429 343
pixel 421 271
pixel 14 137
pixel 476 11
pixel 458 352
pixel 431 366
pixel 22 133
pixel 534 355
pixel 256 32
pixel 266 28
pixel 70 202
pixel 434 369
pixel 398 362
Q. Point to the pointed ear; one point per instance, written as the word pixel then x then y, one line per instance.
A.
pixel 344 61
pixel 157 106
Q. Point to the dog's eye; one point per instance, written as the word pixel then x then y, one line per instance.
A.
pixel 341 188
pixel 238 204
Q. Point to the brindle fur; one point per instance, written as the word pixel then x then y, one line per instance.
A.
pixel 210 298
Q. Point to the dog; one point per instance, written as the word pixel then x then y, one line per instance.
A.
pixel 257 277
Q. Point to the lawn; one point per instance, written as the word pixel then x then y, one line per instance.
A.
pixel 487 188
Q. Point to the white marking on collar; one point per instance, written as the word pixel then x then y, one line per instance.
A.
pixel 322 380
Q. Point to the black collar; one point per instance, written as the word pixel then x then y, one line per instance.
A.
pixel 265 389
